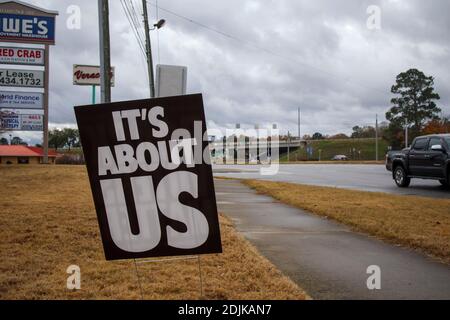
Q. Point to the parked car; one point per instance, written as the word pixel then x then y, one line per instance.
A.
pixel 339 157
pixel 428 158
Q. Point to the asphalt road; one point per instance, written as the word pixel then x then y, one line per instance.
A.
pixel 348 176
pixel 327 259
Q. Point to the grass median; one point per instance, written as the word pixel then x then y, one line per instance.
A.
pixel 48 223
pixel 416 222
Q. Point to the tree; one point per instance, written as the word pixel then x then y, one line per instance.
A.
pixel 394 134
pixel 306 137
pixel 339 136
pixel 357 130
pixel 4 141
pixel 437 126
pixel 363 132
pixel 64 138
pixel 56 139
pixel 317 136
pixel 72 137
pixel 16 141
pixel 415 104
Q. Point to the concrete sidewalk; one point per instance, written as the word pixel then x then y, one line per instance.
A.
pixel 327 259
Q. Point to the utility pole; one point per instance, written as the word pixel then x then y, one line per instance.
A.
pixel 105 51
pixel 257 143
pixel 289 147
pixel 148 49
pixel 376 138
pixel 299 128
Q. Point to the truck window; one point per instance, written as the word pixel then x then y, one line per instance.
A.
pixel 447 139
pixel 434 141
pixel 420 144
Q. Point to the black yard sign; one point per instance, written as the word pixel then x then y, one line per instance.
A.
pixel 151 178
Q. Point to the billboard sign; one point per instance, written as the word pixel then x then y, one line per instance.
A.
pixel 84 75
pixel 10 121
pixel 21 122
pixel 27 29
pixel 31 122
pixel 151 177
pixel 22 56
pixel 21 100
pixel 21 78
pixel 170 80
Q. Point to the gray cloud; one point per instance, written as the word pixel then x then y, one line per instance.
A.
pixel 315 54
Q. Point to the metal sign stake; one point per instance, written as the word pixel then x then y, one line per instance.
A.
pixel 138 279
pixel 93 94
pixel 201 277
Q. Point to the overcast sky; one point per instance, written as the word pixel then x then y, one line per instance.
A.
pixel 268 58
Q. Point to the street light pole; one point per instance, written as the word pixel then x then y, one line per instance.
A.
pixel 376 138
pixel 289 147
pixel 148 49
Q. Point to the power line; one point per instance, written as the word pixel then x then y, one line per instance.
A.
pixel 135 31
pixel 256 46
pixel 130 20
pixel 134 28
pixel 137 22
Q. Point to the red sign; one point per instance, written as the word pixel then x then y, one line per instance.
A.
pixel 27 56
pixel 88 75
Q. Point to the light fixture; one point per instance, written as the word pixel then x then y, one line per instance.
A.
pixel 159 24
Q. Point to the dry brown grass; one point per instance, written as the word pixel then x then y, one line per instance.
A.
pixel 416 222
pixel 48 222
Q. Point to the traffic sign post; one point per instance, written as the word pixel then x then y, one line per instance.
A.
pixel 93 94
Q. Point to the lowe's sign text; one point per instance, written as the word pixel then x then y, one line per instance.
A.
pixel 30 29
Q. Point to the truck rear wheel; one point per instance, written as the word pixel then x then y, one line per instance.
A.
pixel 400 177
pixel 446 183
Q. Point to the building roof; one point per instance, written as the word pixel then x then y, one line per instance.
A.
pixel 24 151
pixel 30 6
